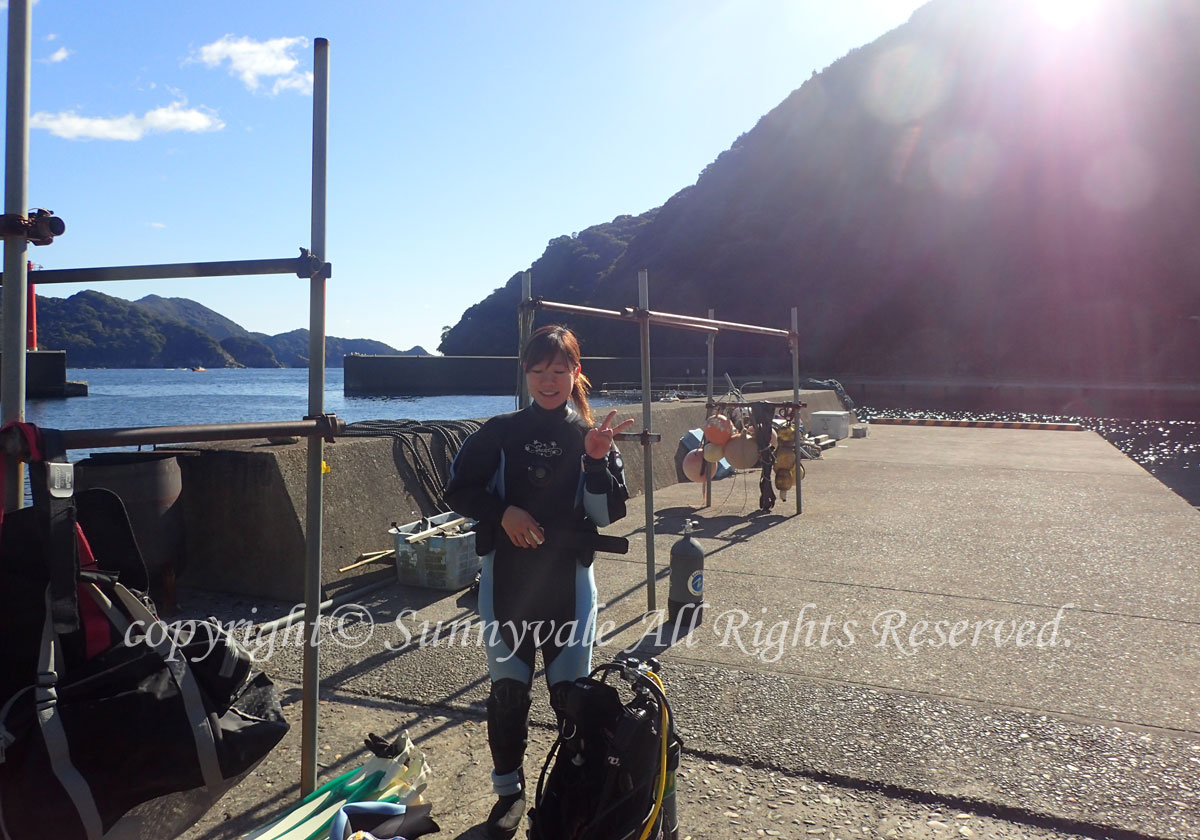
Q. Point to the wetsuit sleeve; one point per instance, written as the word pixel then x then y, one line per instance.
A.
pixel 604 490
pixel 475 488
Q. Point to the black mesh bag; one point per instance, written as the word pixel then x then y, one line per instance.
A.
pixel 112 724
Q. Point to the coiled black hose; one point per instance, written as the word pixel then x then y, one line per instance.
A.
pixel 424 451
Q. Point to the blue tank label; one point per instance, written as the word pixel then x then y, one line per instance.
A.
pixel 696 583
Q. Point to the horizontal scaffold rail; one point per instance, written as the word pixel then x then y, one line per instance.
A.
pixel 694 322
pixel 668 319
pixel 304 265
pixel 326 426
pixel 614 314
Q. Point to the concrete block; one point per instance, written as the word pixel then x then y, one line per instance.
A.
pixel 836 424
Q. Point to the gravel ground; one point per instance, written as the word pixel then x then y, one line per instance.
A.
pixel 716 800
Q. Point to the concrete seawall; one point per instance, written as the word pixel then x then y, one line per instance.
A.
pixel 46 376
pixel 424 375
pixel 376 375
pixel 245 503
pixel 1177 401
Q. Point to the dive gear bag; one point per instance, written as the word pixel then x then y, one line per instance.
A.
pixel 112 724
pixel 611 772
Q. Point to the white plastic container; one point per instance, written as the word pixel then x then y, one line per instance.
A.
pixel 836 424
pixel 441 561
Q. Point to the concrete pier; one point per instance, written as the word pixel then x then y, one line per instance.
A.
pixel 994 630
pixel 46 376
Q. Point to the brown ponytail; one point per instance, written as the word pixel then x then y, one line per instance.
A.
pixel 547 344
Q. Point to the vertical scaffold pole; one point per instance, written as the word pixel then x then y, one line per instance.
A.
pixel 794 340
pixel 16 196
pixel 647 423
pixel 711 340
pixel 310 690
pixel 524 329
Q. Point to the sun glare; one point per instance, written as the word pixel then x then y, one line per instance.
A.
pixel 1066 14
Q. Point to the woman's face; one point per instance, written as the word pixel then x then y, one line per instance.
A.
pixel 550 382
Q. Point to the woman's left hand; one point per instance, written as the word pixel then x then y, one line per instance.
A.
pixel 599 440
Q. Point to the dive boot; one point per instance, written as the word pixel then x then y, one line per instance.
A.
pixel 506 816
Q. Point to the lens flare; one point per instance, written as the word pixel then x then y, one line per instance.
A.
pixel 1066 14
pixel 906 84
pixel 1121 178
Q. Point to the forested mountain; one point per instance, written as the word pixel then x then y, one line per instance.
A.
pixel 291 348
pixel 196 314
pixel 978 193
pixel 98 330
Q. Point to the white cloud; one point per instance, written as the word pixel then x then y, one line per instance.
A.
pixel 299 82
pixel 173 117
pixel 60 54
pixel 252 61
pixel 51 36
pixel 158 225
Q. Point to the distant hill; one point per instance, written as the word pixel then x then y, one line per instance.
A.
pixel 98 330
pixel 291 348
pixel 196 314
pixel 976 193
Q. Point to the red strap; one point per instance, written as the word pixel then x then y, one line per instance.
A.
pixel 95 624
pixel 32 435
pixel 33 441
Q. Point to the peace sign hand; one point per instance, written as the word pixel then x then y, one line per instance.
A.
pixel 599 440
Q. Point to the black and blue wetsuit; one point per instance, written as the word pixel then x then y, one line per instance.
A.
pixel 534 598
pixel 534 459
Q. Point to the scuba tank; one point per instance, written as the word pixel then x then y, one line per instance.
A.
pixel 687 578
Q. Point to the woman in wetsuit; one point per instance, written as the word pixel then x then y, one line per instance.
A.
pixel 539 481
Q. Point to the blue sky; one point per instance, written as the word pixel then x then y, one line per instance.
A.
pixel 463 135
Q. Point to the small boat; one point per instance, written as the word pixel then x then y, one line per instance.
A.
pixel 199 368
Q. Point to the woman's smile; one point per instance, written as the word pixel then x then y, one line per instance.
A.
pixel 550 383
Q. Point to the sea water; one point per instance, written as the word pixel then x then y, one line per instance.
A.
pixel 120 398
pixel 169 397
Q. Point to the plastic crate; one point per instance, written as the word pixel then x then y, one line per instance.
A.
pixel 442 561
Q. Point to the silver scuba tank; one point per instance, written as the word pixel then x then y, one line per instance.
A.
pixel 687 579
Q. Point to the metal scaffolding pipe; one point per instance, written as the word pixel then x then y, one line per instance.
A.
pixel 794 340
pixel 16 202
pixel 625 315
pixel 316 406
pixel 711 341
pixel 574 308
pixel 524 330
pixel 301 266
pixel 695 322
pixel 325 426
pixel 647 423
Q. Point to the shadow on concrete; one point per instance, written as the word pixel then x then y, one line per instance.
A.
pixel 664 636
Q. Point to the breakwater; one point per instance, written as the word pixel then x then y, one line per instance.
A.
pixel 46 376
pixel 424 375
pixel 1146 400
pixel 428 375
